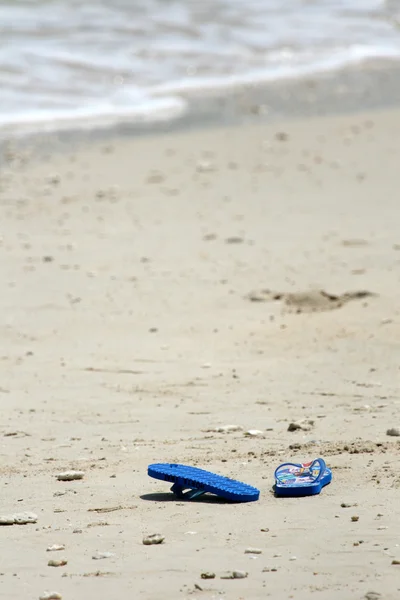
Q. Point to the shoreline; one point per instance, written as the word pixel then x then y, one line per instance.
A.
pixel 372 86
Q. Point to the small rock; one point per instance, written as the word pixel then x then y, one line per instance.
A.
pixel 18 519
pixel 70 475
pixel 101 555
pixel 253 551
pixel 228 429
pixel 355 518
pixel 50 596
pixel 393 431
pixel 395 562
pixel 345 505
pixel 372 596
pixel 207 575
pixel 234 239
pixel 55 548
pixel 235 575
pixel 154 538
pixel 253 433
pixel 293 558
pixel 239 574
pixel 57 563
pixel 24 518
pixel 7 520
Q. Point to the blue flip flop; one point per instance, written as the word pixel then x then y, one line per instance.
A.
pixel 198 482
pixel 304 479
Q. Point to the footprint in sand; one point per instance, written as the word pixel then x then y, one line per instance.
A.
pixel 310 301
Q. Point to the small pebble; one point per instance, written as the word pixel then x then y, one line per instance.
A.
pixel 234 239
pixel 395 562
pixel 70 475
pixel 293 558
pixel 57 563
pixel 55 547
pixel 239 574
pixel 101 555
pixel 155 538
pixel 393 431
pixel 253 551
pixel 372 596
pixel 235 575
pixel 50 596
pixel 24 518
pixel 355 518
pixel 228 428
pixel 207 575
pixel 253 433
pixel 204 167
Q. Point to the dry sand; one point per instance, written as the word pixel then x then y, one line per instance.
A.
pixel 127 334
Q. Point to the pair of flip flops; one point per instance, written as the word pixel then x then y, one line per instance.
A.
pixel 290 480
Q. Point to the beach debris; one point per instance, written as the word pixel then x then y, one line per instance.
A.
pixel 50 596
pixel 207 575
pixel 102 555
pixel 372 596
pixel 16 434
pixel 395 562
pixel 154 538
pixel 18 519
pixel 235 575
pixel 70 475
pixel 55 548
pixel 253 433
pixel 355 518
pixel 227 429
pixel 57 563
pixel 293 558
pixel 393 431
pixel 253 551
pixel 107 509
pixel 310 301
pixel 302 425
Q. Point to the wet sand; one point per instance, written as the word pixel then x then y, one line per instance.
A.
pixel 129 332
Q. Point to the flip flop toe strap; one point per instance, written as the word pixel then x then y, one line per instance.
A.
pixel 190 494
pixel 314 469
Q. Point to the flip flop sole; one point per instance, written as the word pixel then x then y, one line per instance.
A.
pixel 199 480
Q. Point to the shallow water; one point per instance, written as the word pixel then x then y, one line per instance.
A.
pixel 65 62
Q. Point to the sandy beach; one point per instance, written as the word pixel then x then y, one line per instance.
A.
pixel 135 323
